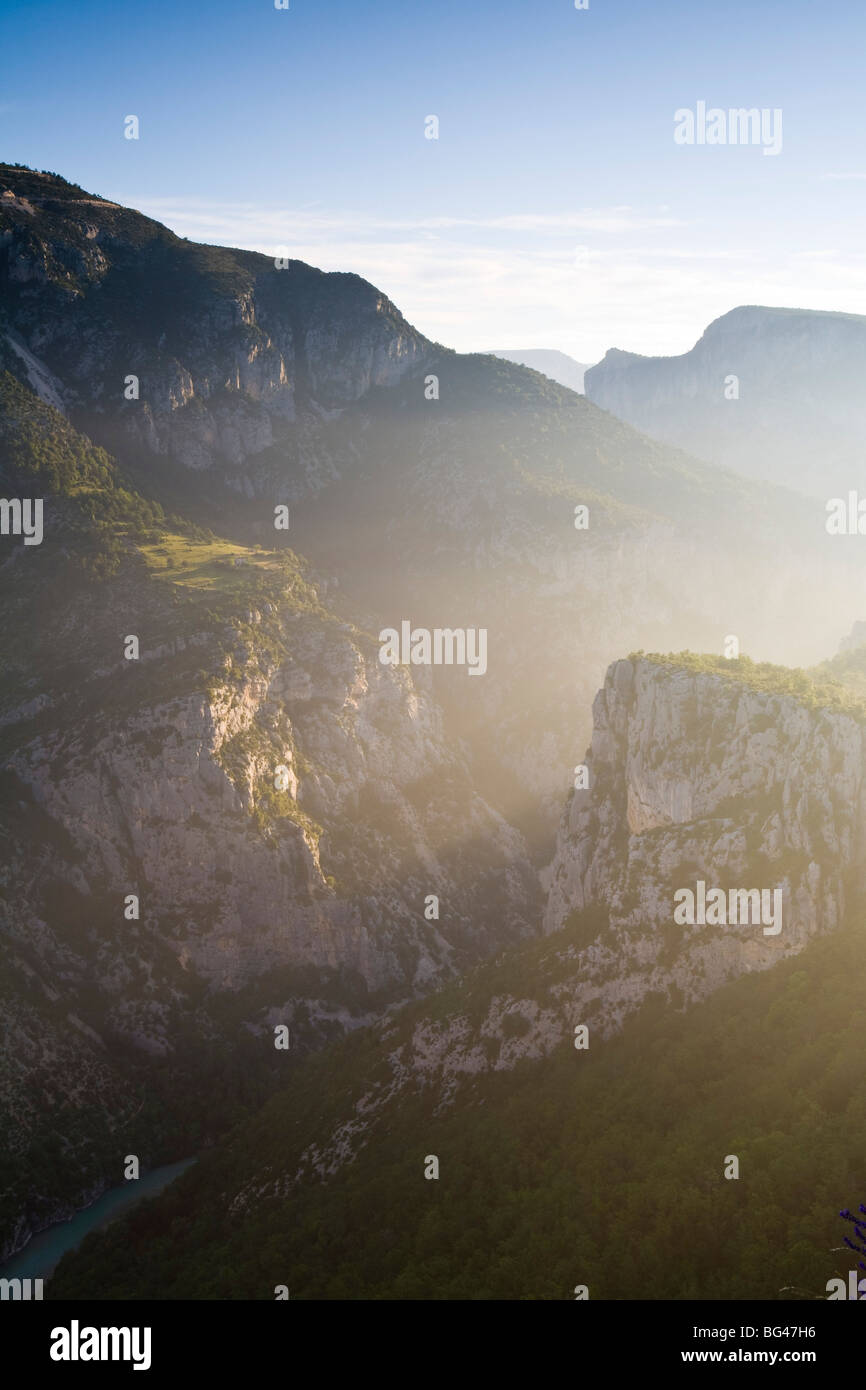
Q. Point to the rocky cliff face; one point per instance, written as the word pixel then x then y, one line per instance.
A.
pixel 697 777
pixel 163 802
pixel 771 393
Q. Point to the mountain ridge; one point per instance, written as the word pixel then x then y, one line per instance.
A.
pixel 771 392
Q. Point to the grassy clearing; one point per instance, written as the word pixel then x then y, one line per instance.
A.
pixel 214 566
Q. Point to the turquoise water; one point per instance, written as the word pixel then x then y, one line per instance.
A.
pixel 43 1252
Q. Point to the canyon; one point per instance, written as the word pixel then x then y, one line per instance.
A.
pixel 281 803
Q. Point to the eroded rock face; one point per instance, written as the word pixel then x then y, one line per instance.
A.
pixel 306 906
pixel 696 777
pixel 164 801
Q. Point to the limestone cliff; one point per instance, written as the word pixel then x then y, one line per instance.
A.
pixel 697 776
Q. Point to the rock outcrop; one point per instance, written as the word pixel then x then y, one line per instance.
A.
pixel 697 777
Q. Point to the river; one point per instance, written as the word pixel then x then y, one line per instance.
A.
pixel 43 1252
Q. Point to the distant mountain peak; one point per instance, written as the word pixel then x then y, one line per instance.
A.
pixel 549 361
pixel 772 392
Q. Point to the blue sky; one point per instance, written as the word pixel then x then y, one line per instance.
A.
pixel 554 210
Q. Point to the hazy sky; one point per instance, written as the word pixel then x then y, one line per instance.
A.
pixel 554 210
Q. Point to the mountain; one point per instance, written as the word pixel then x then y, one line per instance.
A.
pixel 156 778
pixel 727 772
pixel 703 1042
pixel 550 362
pixel 251 821
pixel 772 393
pixel 260 387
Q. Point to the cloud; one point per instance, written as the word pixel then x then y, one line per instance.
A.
pixel 269 224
